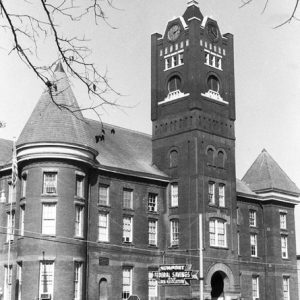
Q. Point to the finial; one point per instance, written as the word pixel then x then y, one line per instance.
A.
pixel 193 2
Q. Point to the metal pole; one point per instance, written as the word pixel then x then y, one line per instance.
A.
pixel 200 257
pixel 10 228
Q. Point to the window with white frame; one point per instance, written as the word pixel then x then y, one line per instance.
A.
pixel 286 287
pixel 253 244
pixel 282 220
pixel 238 244
pixel 284 246
pixel 255 287
pixel 23 184
pixel 46 279
pixel 174 235
pixel 19 281
pixel 127 229
pixel 152 202
pixel 7 282
pixel 78 280
pixel 50 183
pixel 79 220
pixel 127 198
pixel 152 232
pixel 174 60
pixel 10 226
pixel 127 283
pixel 217 233
pixel 211 193
pixel 152 287
pixel 103 195
pixel 49 219
pixel 22 219
pixel 221 195
pixel 103 227
pixel 79 186
pixel 252 218
pixel 174 194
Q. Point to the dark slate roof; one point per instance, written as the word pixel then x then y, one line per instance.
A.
pixel 243 188
pixel 124 150
pixel 265 174
pixel 49 123
pixel 192 11
pixel 5 151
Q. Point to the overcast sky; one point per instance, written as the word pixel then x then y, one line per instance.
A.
pixel 267 73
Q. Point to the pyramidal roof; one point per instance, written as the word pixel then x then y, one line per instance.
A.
pixel 265 175
pixel 192 11
pixel 50 123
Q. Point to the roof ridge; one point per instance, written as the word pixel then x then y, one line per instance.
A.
pixel 124 128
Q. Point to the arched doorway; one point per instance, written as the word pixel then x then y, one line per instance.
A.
pixel 103 289
pixel 217 285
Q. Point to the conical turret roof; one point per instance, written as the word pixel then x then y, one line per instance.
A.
pixel 50 123
pixel 265 175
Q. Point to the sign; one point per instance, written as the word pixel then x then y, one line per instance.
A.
pixel 175 275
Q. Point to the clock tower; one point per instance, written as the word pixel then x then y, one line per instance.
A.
pixel 193 114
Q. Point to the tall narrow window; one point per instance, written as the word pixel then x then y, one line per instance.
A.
pixel 252 218
pixel 238 244
pixel 213 83
pixel 286 288
pixel 127 283
pixel 50 183
pixel 103 194
pixel 79 220
pixel 222 195
pixel 174 84
pixel 7 282
pixel 79 186
pixel 127 198
pixel 22 219
pixel 10 226
pixel 174 232
pixel 19 281
pixel 173 159
pixel 211 193
pixel 253 244
pixel 174 194
pixel 217 233
pixel 152 287
pixel 127 229
pixel 23 185
pixel 78 280
pixel 284 246
pixel 46 279
pixel 103 227
pixel 152 231
pixel 282 220
pixel 49 219
pixel 255 287
pixel 152 202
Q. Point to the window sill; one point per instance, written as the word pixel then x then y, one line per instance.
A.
pixel 78 237
pixel 219 247
pixel 103 242
pixel 103 205
pixel 153 213
pixel 152 246
pixel 173 247
pixel 128 244
pixel 49 195
pixel 79 198
pixel 48 235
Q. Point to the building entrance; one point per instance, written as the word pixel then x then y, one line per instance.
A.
pixel 217 285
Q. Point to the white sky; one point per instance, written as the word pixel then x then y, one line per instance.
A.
pixel 267 73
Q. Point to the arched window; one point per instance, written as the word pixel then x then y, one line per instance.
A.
pixel 220 159
pixel 210 156
pixel 174 84
pixel 213 83
pixel 173 159
pixel 103 289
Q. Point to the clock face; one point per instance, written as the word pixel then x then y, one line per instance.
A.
pixel 174 32
pixel 212 32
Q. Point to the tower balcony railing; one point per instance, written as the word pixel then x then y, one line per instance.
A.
pixel 214 95
pixel 173 96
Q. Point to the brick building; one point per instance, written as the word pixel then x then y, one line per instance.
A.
pixel 94 220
